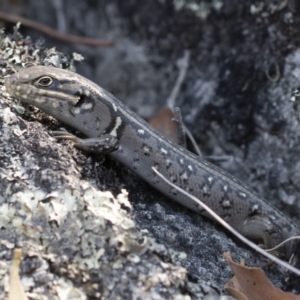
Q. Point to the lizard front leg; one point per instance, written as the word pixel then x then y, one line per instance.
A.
pixel 103 144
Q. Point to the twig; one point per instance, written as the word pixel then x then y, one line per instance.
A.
pixel 284 242
pixel 183 68
pixel 191 137
pixel 60 17
pixel 228 227
pixel 54 33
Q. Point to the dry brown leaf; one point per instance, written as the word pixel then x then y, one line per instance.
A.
pixel 162 121
pixel 16 291
pixel 252 284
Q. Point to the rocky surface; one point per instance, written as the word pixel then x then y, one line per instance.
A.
pixel 235 99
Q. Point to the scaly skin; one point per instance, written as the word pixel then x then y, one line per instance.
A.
pixel 112 128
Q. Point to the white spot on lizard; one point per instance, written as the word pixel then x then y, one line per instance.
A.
pixel 117 125
pixel 114 107
pixel 146 149
pixel 226 203
pixel 87 106
pixel 168 163
pixel 254 208
pixel 184 176
pixel 163 151
pixel 40 100
pixel 76 111
pixel 87 93
pixel 141 131
pixel 205 190
pixel 55 104
pixel 173 178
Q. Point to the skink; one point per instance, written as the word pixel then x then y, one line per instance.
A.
pixel 113 128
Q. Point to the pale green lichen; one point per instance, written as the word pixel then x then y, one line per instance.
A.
pixel 77 241
pixel 79 229
pixel 201 9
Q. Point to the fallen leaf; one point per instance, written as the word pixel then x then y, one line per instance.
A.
pixel 252 284
pixel 162 121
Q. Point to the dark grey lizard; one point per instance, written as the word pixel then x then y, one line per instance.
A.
pixel 114 129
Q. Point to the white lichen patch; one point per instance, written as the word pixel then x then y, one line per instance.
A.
pixel 77 242
pixel 77 227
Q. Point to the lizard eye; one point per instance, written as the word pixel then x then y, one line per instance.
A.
pixel 44 81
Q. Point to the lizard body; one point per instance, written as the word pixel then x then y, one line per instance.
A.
pixel 113 128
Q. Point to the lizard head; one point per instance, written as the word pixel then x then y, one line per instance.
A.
pixel 65 95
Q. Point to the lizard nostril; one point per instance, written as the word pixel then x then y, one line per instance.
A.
pixel 7 80
pixel 13 80
pixel 10 82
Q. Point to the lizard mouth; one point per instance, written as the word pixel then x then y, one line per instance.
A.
pixel 10 83
pixel 23 90
pixel 18 88
pixel 14 87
